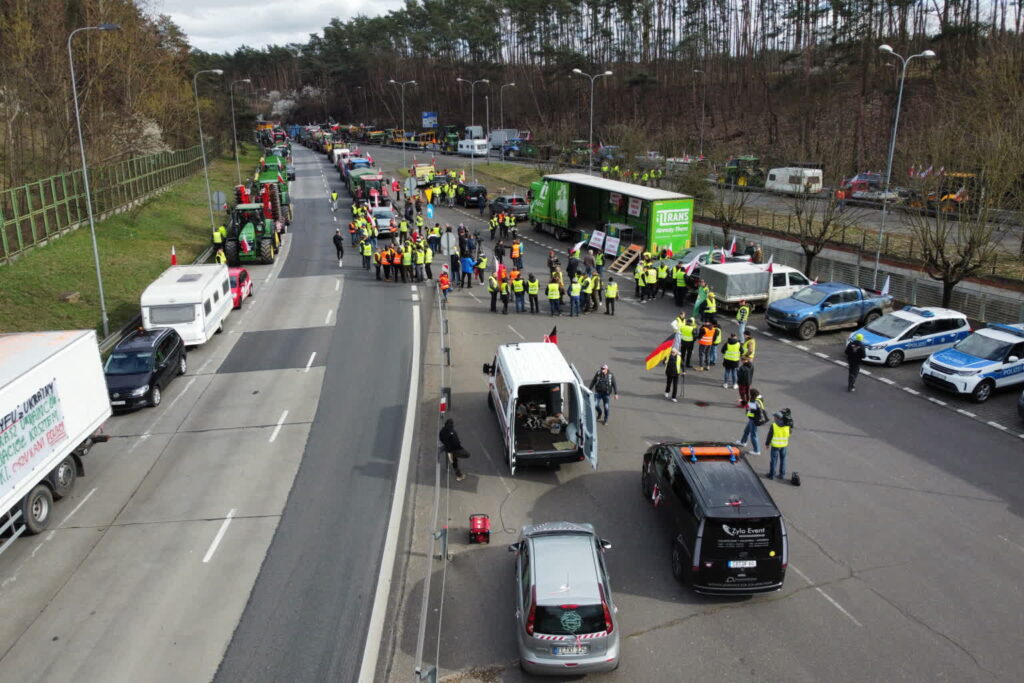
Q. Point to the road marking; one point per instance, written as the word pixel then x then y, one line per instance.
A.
pixel 375 631
pixel 819 354
pixel 866 372
pixel 965 412
pixel 802 347
pixel 327 318
pixel 220 535
pixel 309 363
pixel 76 508
pixel 768 334
pixel 516 332
pixel 785 341
pixel 474 296
pixel 990 423
pixel 826 596
pixel 337 284
pixel 886 380
pixel 415 297
pixel 277 428
pixel 840 362
pixel 936 401
pixel 915 392
pixel 1015 545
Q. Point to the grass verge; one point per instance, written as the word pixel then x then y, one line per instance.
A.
pixel 134 246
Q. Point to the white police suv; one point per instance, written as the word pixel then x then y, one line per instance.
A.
pixel 991 357
pixel 911 332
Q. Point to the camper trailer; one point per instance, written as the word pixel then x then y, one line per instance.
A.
pixel 193 300
pixel 794 180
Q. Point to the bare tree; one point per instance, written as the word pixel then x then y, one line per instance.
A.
pixel 727 207
pixel 819 220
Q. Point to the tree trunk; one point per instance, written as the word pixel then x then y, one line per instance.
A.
pixel 947 291
pixel 809 256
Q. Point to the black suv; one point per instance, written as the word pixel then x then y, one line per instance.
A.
pixel 142 365
pixel 728 537
pixel 470 194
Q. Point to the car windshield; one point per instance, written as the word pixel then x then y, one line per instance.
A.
pixel 810 295
pixel 129 362
pixel 569 620
pixel 890 326
pixel 170 315
pixel 983 346
pixel 514 201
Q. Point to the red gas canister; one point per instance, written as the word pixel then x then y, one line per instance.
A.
pixel 479 528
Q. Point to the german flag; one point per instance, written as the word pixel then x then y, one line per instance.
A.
pixel 659 354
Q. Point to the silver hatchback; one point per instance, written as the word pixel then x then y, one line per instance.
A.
pixel 565 616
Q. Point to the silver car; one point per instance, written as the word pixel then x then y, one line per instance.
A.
pixel 565 617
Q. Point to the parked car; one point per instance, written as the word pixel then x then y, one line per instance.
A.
pixel 470 194
pixel 825 306
pixel 511 204
pixel 911 333
pixel 241 285
pixel 383 217
pixel 565 615
pixel 142 365
pixel 990 358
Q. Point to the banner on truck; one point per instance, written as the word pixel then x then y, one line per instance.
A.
pixel 430 119
pixel 30 431
pixel 550 202
pixel 671 224
pixel 597 239
pixel 635 205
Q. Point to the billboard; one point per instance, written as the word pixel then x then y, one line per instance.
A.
pixel 671 224
pixel 430 119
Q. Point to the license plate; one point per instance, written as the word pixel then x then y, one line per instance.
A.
pixel 117 403
pixel 742 564
pixel 572 649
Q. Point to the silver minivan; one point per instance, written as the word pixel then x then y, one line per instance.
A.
pixel 565 617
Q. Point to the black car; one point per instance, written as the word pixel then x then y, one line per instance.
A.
pixel 141 366
pixel 470 194
pixel 728 537
pixel 511 204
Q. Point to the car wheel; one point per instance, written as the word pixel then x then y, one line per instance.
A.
pixel 182 364
pixel 807 329
pixel 155 396
pixel 983 391
pixel 63 478
pixel 872 317
pixel 36 508
pixel 894 359
pixel 679 562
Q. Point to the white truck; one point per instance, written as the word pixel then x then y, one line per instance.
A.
pixel 735 282
pixel 53 400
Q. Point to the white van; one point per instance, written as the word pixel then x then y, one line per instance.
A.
pixel 499 137
pixel 194 300
pixel 545 411
pixel 339 154
pixel 473 148
pixel 794 180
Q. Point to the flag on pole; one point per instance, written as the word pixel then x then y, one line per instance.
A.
pixel 660 353
pixel 574 212
pixel 732 247
pixel 245 245
pixel 926 172
pixel 553 337
pixel 768 267
pixel 885 287
pixel 174 257
pixel 689 268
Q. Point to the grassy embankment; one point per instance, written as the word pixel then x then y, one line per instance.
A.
pixel 134 246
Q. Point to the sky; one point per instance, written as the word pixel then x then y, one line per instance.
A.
pixel 225 25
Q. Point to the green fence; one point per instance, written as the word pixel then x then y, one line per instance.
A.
pixel 33 213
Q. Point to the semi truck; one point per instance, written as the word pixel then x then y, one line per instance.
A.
pixel 53 401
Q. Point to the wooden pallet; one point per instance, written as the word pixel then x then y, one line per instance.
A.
pixel 626 259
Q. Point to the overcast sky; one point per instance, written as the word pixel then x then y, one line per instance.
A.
pixel 224 25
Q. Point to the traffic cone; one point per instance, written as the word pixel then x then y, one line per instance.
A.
pixel 174 257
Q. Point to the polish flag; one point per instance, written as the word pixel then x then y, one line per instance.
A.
pixel 245 245
pixel 174 257
pixel 885 287
pixel 768 266
pixel 689 268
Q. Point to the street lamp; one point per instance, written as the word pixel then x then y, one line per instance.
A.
pixel 202 145
pixel 501 103
pixel 401 86
pixel 85 171
pixel 590 147
pixel 472 119
pixel 703 102
pixel 887 49
pixel 234 130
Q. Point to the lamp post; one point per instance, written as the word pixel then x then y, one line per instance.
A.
pixel 590 146
pixel 703 102
pixel 85 172
pixel 401 87
pixel 234 130
pixel 202 144
pixel 501 103
pixel 927 54
pixel 472 119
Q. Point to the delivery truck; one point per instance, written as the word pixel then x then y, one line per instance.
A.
pixel 53 401
pixel 752 282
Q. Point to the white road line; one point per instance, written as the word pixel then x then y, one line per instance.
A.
pixel 327 318
pixel 826 596
pixel 415 297
pixel 768 334
pixel 220 535
pixel 936 401
pixel 309 363
pixel 802 347
pixel 188 385
pixel 866 372
pixel 277 428
pixel 819 354
pixel 965 412
pixel 337 285
pixel 886 380
pixel 839 362
pixel 990 423
pixel 915 392
pixel 784 340
pixel 76 508
pixel 412 287
pixel 375 631
pixel 516 332
pixel 474 296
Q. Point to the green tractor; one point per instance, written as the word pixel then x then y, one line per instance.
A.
pixel 252 238
pixel 272 180
pixel 450 140
pixel 742 172
pixel 362 182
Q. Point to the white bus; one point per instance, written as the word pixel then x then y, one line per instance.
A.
pixel 194 300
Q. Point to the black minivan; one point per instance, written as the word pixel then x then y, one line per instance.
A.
pixel 471 194
pixel 728 537
pixel 139 367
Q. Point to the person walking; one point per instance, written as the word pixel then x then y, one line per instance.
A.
pixel 555 297
pixel 673 371
pixel 705 340
pixel 467 272
pixel 449 438
pixel 339 246
pixel 604 387
pixel 532 290
pixel 492 289
pixel 367 251
pixel 742 315
pixel 778 441
pixel 855 353
pixel 611 293
pixel 756 416
pixel 749 345
pixel 376 263
pixel 334 201
pixel 445 283
pixel 499 252
pixel 730 361
pixel 744 377
pixel 687 336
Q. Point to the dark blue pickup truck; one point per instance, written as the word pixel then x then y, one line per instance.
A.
pixel 826 306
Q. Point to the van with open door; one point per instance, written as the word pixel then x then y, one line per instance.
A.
pixel 545 411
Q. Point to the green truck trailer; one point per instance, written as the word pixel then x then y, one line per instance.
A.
pixel 572 206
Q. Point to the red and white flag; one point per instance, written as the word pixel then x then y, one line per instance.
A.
pixel 926 172
pixel 574 212
pixel 174 257
pixel 552 338
pixel 768 266
pixel 689 268
pixel 732 247
pixel 279 178
pixel 885 287
pixel 245 245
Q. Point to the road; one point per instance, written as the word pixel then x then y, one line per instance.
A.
pixel 905 536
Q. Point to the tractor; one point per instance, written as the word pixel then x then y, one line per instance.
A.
pixel 742 172
pixel 252 236
pixel 450 140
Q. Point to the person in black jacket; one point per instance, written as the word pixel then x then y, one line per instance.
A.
pixel 744 378
pixel 339 246
pixel 604 387
pixel 854 356
pixel 450 440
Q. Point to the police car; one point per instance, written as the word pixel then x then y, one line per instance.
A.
pixel 991 357
pixel 911 332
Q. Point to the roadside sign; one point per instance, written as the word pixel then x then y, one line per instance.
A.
pixel 219 201
pixel 430 210
pixel 611 245
pixel 597 239
pixel 430 119
pixel 410 186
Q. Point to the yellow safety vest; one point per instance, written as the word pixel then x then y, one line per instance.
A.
pixel 407 257
pixel 732 351
pixel 492 284
pixel 532 286
pixel 588 286
pixel 612 291
pixel 553 291
pixel 574 288
pixel 220 257
pixel 749 348
pixel 517 286
pixel 429 255
pixel 662 272
pixel 760 404
pixel 780 436
pixel 218 238
pixel 367 249
pixel 710 305
pixel 718 336
pixel 483 263
pixel 680 277
pixel 686 332
pixel 419 257
pixel 638 274
pixel 742 313
pixel 651 275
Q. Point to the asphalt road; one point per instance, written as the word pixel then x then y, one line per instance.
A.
pixel 905 536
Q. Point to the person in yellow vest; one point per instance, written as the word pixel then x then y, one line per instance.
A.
pixel 574 296
pixel 595 291
pixel 218 237
pixel 367 251
pixel 481 267
pixel 663 282
pixel 710 307
pixel 334 201
pixel 428 259
pixel 638 279
pixel 749 345
pixel 492 289
pixel 504 291
pixel 778 441
pixel 678 276
pixel 407 262
pixel 650 282
pixel 377 263
pixel 742 315
pixel 673 371
pixel 687 337
pixel 588 292
pixel 492 225
pixel 419 258
pixel 555 297
pixel 713 351
pixel 519 292
pixel 599 263
pixel 532 290
pixel 611 293
pixel 419 223
pixel 730 361
pixel 219 256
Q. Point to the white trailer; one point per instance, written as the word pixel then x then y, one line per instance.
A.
pixel 194 300
pixel 794 180
pixel 751 282
pixel 53 400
